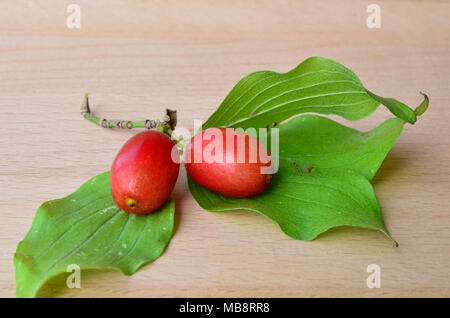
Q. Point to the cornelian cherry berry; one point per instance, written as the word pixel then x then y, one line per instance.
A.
pixel 143 173
pixel 228 162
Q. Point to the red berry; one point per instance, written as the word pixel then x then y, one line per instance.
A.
pixel 143 174
pixel 234 169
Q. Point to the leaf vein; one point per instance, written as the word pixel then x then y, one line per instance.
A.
pixel 277 83
pixel 86 240
pixel 298 100
pixel 71 226
pixel 134 244
pixel 115 241
pixel 369 224
pixel 285 93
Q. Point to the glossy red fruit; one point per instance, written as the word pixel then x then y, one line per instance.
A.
pixel 143 173
pixel 235 169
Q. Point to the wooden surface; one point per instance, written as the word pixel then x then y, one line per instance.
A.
pixel 138 57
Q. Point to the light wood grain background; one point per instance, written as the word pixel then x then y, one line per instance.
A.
pixel 138 57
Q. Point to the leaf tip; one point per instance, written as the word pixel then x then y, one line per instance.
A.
pixel 386 232
pixel 423 106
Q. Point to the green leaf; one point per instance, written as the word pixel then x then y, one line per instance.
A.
pixel 317 85
pixel 323 143
pixel 306 205
pixel 86 228
pixel 336 193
